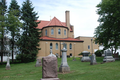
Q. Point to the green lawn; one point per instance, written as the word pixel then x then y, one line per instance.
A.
pixel 79 71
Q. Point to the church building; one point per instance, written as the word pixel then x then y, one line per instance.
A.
pixel 54 33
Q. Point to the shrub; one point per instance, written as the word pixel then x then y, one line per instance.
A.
pixel 25 58
pixel 99 53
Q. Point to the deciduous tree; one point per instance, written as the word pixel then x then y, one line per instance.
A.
pixel 108 31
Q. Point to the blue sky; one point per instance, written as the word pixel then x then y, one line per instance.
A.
pixel 82 13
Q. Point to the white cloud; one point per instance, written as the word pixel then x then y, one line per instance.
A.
pixel 82 13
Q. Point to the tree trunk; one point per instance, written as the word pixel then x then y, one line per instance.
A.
pixel 13 50
pixel 2 46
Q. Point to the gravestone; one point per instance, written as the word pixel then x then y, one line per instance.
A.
pixel 108 56
pixel 93 59
pixel 8 63
pixel 49 68
pixel 51 54
pixel 38 63
pixel 64 65
pixel 85 57
pixel 116 56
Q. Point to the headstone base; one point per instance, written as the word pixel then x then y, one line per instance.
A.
pixel 85 59
pixel 38 65
pixel 64 69
pixel 108 60
pixel 7 67
pixel 93 63
pixel 50 79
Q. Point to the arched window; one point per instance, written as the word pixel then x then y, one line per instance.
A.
pixel 46 32
pixel 59 31
pixel 51 46
pixel 64 32
pixel 88 46
pixel 52 31
pixel 57 46
pixel 70 46
pixel 65 46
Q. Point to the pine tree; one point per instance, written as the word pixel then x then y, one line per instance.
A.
pixel 31 35
pixel 14 23
pixel 3 9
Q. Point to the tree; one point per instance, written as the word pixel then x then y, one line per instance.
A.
pixel 31 35
pixel 108 31
pixel 3 9
pixel 14 23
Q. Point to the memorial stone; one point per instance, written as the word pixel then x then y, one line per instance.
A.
pixel 49 68
pixel 108 56
pixel 116 56
pixel 51 54
pixel 85 57
pixel 38 63
pixel 64 65
pixel 93 59
pixel 8 63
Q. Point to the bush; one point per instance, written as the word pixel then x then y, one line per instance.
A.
pixel 99 53
pixel 80 53
pixel 25 58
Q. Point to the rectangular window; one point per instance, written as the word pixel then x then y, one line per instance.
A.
pixel 46 32
pixel 52 31
pixel 88 46
pixel 64 32
pixel 56 46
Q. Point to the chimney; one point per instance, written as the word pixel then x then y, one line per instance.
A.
pixel 67 19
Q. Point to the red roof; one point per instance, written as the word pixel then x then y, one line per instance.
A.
pixel 60 39
pixel 53 22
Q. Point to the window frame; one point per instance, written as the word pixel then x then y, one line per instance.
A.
pixel 88 46
pixel 65 32
pixel 51 46
pixel 56 46
pixel 70 46
pixel 59 31
pixel 52 31
pixel 46 32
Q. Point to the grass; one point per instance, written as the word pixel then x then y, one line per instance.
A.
pixel 78 71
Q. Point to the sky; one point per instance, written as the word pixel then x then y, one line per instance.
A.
pixel 83 14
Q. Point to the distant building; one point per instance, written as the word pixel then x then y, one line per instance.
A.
pixel 54 33
pixel 89 44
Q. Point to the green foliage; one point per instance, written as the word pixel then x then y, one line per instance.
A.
pixel 99 53
pixel 14 24
pixel 31 36
pixel 25 58
pixel 3 18
pixel 108 31
pixel 80 53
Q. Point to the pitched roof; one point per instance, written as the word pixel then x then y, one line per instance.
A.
pixel 53 22
pixel 45 38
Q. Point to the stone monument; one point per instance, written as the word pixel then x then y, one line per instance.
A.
pixel 64 65
pixel 38 63
pixel 51 54
pixel 116 56
pixel 85 57
pixel 49 68
pixel 93 59
pixel 8 63
pixel 108 56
